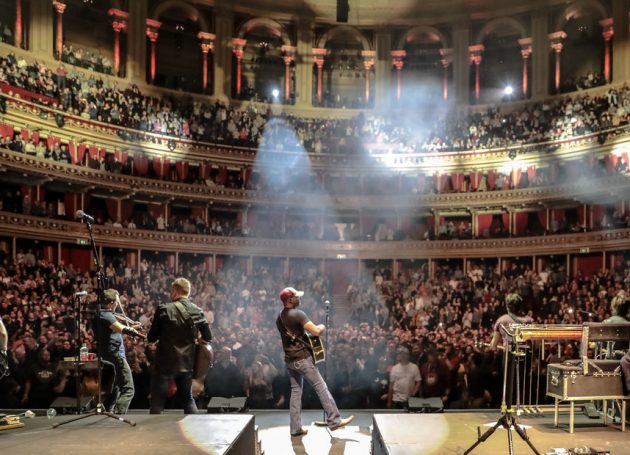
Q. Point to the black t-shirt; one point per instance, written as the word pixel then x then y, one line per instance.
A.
pixel 111 342
pixel 293 320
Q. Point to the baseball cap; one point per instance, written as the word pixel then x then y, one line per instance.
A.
pixel 287 293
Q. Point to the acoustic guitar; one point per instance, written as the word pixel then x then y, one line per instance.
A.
pixel 204 355
pixel 316 346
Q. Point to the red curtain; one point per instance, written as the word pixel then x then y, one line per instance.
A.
pixel 520 221
pixel 93 152
pixel 68 200
pixel 516 177
pixel 197 212
pixel 222 177
pixel 542 217
pixel 24 134
pixel 155 210
pixel 6 130
pixel 491 180
pixel 421 183
pixel 112 208
pixel 126 210
pixel 36 137
pixel 182 170
pixel 141 163
pixel 531 174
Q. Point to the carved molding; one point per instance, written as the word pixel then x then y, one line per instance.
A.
pixel 68 232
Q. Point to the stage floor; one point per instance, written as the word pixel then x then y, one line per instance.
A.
pixel 448 433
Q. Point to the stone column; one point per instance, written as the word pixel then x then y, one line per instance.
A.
pixel 540 55
pixel 59 8
pixel 621 44
pixel 238 47
pixel 461 64
pixel 368 65
pixel 224 29
pixel 289 58
pixel 152 33
pixel 526 51
pixel 119 24
pixel 607 33
pixel 447 59
pixel 136 62
pixel 475 59
pixel 383 69
pixel 304 64
pixel 318 59
pixel 40 29
pixel 398 62
pixel 18 23
pixel 207 45
pixel 555 41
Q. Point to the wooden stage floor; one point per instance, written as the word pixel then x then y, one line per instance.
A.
pixel 448 433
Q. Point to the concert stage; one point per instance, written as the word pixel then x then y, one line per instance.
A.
pixel 226 434
pixel 221 434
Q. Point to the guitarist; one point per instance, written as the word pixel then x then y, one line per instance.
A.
pixel 292 325
pixel 175 327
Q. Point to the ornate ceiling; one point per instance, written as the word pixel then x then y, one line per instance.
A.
pixel 382 12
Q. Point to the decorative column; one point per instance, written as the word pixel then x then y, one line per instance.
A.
pixel 526 51
pixel 318 59
pixel 447 59
pixel 18 23
pixel 289 58
pixel 475 59
pixel 59 8
pixel 207 45
pixel 369 57
pixel 607 25
pixel 238 46
pixel 119 24
pixel 555 41
pixel 152 33
pixel 398 63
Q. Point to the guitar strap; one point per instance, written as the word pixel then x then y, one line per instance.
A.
pixel 183 312
pixel 290 334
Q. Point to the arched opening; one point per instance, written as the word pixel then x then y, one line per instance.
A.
pixel 422 76
pixel 262 64
pixel 345 73
pixel 501 68
pixel 178 42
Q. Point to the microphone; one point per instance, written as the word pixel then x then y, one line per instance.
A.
pixel 80 293
pixel 84 216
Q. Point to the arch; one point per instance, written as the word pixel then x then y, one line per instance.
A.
pixel 341 29
pixel 580 8
pixel 193 13
pixel 501 23
pixel 418 30
pixel 275 28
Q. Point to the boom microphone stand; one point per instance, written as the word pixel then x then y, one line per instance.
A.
pixel 99 410
pixel 508 418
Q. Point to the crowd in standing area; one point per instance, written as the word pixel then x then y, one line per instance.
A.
pixel 412 318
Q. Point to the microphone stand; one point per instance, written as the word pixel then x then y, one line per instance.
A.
pixel 323 422
pixel 99 410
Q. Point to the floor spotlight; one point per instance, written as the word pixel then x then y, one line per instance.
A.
pixel 508 90
pixel 275 92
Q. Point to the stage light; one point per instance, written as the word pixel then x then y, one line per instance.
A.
pixel 508 90
pixel 275 92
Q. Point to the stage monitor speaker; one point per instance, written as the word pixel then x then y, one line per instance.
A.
pixel 343 7
pixel 68 405
pixel 221 405
pixel 425 405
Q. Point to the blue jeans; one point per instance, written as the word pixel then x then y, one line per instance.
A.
pixel 299 370
pixel 160 383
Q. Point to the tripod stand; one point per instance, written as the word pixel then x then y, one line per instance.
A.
pixel 99 409
pixel 508 419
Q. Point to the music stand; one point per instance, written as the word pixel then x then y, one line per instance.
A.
pixel 99 410
pixel 508 419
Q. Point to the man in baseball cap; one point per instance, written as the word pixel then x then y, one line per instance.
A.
pixel 292 325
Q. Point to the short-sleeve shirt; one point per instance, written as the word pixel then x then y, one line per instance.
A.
pixel 111 342
pixel 403 379
pixel 294 321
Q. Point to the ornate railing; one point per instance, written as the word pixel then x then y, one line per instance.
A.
pixel 585 189
pixel 67 232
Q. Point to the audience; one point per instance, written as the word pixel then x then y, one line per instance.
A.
pixel 435 320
